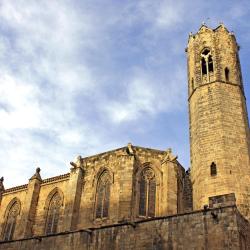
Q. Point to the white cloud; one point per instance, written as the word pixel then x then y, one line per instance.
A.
pixel 41 83
pixel 147 94
pixel 169 15
pixel 19 108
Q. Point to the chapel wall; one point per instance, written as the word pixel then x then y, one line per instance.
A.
pixel 78 192
pixel 8 198
pixel 49 187
pixel 216 228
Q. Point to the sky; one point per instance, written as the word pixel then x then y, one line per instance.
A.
pixel 84 77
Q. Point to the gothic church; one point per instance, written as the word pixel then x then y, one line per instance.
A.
pixel 141 198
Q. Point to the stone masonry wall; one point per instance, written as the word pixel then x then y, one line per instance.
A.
pixel 188 193
pixel 78 192
pixel 217 229
pixel 219 129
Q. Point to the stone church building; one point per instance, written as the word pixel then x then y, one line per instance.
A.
pixel 141 198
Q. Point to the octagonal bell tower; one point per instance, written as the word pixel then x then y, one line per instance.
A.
pixel 219 128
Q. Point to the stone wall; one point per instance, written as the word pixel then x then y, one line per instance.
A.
pixel 219 129
pixel 188 193
pixel 78 191
pixel 217 229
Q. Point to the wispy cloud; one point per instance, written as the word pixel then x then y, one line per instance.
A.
pixel 81 77
pixel 147 95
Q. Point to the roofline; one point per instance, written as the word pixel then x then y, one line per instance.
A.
pixel 66 175
pixel 207 27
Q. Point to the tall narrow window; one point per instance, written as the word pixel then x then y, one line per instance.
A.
pixel 210 64
pixel 206 64
pixel 11 221
pixel 147 194
pixel 103 195
pixel 213 169
pixel 53 214
pixel 227 74
pixel 203 66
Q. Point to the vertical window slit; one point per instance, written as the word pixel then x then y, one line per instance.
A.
pixel 210 64
pixel 204 66
pixel 213 169
pixel 227 74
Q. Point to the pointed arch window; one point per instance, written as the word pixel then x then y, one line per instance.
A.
pixel 147 196
pixel 103 196
pixel 206 64
pixel 11 221
pixel 53 214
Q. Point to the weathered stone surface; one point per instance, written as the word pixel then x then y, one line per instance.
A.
pixel 217 229
pixel 219 129
pixel 78 192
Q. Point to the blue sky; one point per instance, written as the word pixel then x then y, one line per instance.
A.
pixel 84 77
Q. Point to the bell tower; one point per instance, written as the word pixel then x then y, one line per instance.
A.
pixel 218 121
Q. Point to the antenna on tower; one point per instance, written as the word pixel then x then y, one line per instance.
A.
pixel 208 21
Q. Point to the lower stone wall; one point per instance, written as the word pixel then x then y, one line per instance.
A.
pixel 217 228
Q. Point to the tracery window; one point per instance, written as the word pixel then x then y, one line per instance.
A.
pixel 103 195
pixel 53 214
pixel 147 193
pixel 206 64
pixel 11 221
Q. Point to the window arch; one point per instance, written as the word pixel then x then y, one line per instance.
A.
pixel 147 193
pixel 10 224
pixel 206 64
pixel 103 195
pixel 53 213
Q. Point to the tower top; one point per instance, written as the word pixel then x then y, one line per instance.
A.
pixel 213 57
pixel 205 28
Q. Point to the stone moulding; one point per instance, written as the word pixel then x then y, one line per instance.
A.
pixel 14 189
pixel 55 178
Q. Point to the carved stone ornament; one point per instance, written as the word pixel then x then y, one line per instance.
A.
pixel 129 149
pixel 77 163
pixel 1 184
pixel 169 156
pixel 148 174
pixel 37 175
